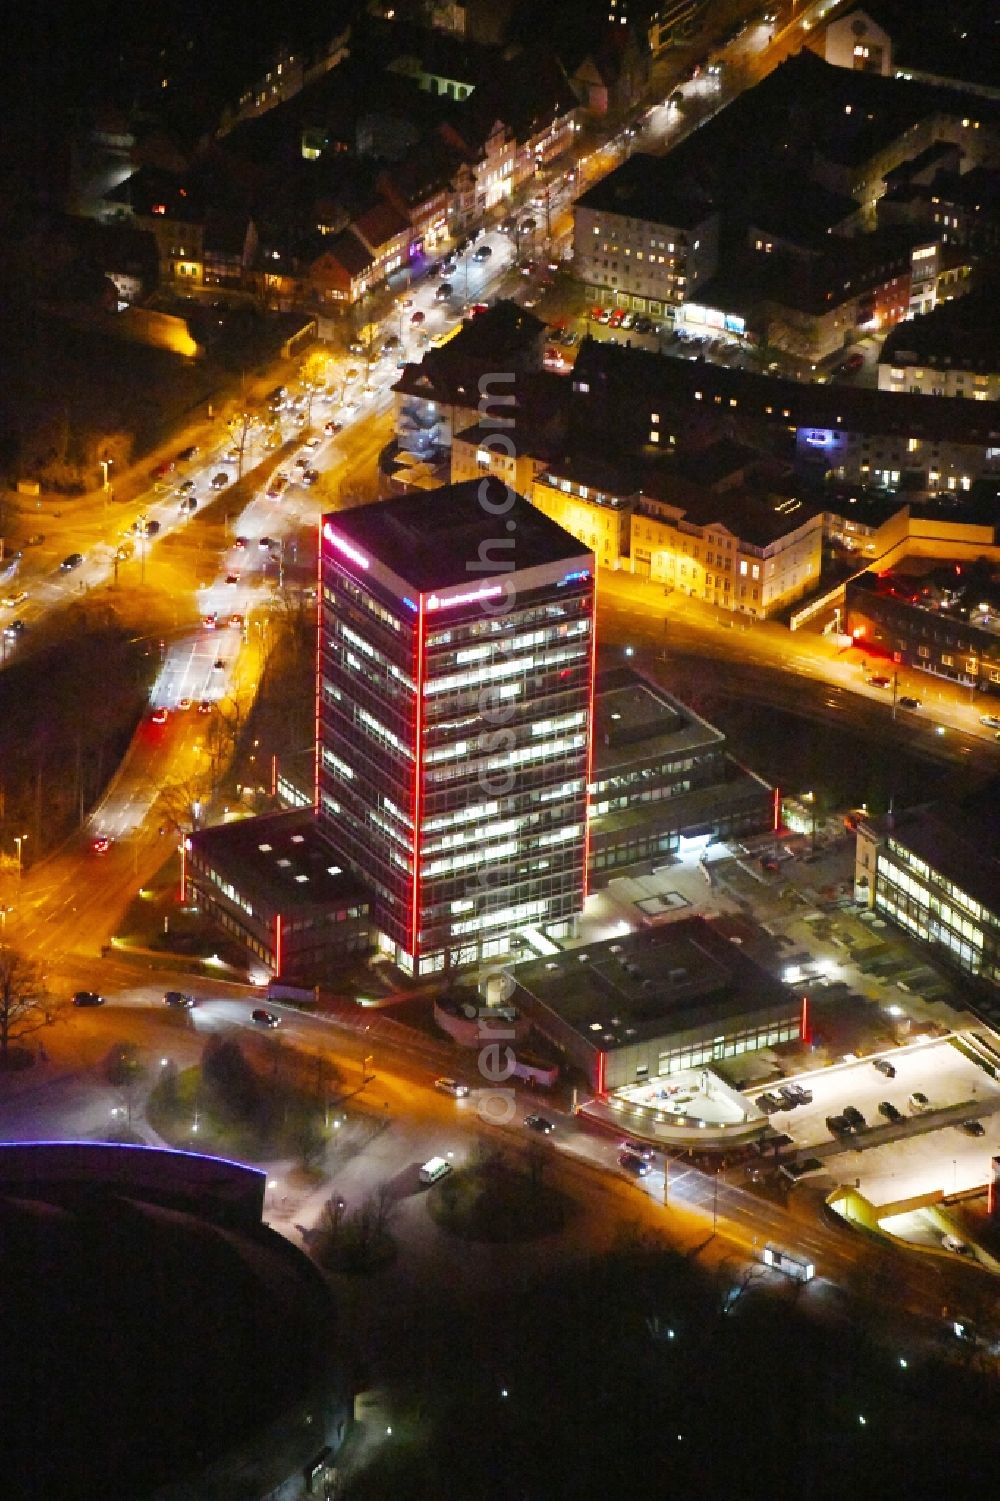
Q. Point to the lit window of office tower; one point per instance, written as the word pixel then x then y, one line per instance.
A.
pixel 454 688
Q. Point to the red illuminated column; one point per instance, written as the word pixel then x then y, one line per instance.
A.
pixel 805 1030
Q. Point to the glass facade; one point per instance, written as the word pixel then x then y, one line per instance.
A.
pixel 454 748
pixel 936 910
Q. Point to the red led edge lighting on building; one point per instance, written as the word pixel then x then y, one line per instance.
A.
pixel 600 1072
pixel 590 740
pixel 277 946
pixel 805 1033
pixel 185 842
pixel 342 545
pixel 418 777
pixel 319 662
pixel 776 820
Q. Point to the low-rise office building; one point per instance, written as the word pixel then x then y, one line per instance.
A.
pixel 935 872
pixel 661 776
pixel 952 351
pixel 643 1007
pixel 274 884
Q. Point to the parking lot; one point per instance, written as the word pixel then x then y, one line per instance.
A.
pixel 925 1151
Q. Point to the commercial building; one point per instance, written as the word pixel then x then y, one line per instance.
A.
pixel 274 885
pixel 943 620
pixel 643 1007
pixel 453 718
pixel 935 872
pixel 641 242
pixel 661 775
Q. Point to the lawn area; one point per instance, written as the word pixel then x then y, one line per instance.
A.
pixel 224 1106
pixel 498 1201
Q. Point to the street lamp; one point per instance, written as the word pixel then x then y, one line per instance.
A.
pixel 19 840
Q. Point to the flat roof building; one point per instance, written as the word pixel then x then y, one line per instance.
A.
pixel 455 683
pixel 935 872
pixel 646 1006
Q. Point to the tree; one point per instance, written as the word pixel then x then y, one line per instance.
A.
pixel 25 1006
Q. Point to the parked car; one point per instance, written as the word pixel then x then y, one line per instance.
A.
pixel 264 1018
pixel 219 481
pixel 888 1109
pixel 87 998
pixel 540 1124
pixel 879 681
pixel 310 476
pixel 973 1128
pixel 187 454
pixel 73 560
pixel 884 1067
pixel 991 721
pixel 482 253
pixel 453 1087
pixel 852 1115
pixel 178 998
pixel 838 1125
pixel 444 291
pixel 906 701
pixel 853 362
pixel 918 1101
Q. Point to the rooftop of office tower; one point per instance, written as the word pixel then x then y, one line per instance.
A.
pixel 437 538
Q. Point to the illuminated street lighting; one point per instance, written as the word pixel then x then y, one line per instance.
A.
pixel 19 840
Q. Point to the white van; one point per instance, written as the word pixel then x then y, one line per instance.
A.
pixel 434 1170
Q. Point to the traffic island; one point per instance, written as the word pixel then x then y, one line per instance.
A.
pixel 500 1202
pixel 227 1107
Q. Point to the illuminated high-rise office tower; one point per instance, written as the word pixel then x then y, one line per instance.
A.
pixel 455 683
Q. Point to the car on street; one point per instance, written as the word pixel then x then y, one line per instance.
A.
pixel 444 291
pixel 310 476
pixel 189 503
pixel 264 1018
pixel 878 681
pixel 162 470
pixel 236 622
pixel 276 486
pixel 11 601
pixel 183 705
pixel 889 1110
pixel 853 362
pixel 205 706
pixel 71 561
pixel 952 1243
pixel 907 701
pixel 187 454
pixel 159 716
pixel 884 1067
pixel 539 1123
pixel 991 721
pixel 918 1101
pixel 852 1115
pixel 100 844
pixel 418 317
pixel 185 487
pixel 452 1087
pixel 218 665
pixel 973 1128
pixel 482 253
pixel 210 621
pixel 14 628
pixel 615 321
pixel 219 481
pixel 232 578
pixel 239 543
pixel 634 1164
pixel 178 998
pixel 264 543
pixel 838 1125
pixel 333 428
pixel 87 998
